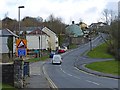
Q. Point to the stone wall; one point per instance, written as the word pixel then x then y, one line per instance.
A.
pixel 77 40
pixel 8 74
pixel 14 73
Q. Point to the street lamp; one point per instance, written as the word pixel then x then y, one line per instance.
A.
pixel 90 39
pixel 19 16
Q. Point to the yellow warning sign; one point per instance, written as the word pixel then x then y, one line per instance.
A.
pixel 21 43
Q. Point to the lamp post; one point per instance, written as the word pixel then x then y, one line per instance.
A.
pixel 39 47
pixel 19 17
pixel 90 39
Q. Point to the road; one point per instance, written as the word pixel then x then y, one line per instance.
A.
pixel 68 76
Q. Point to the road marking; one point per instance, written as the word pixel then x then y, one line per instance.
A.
pixel 65 72
pixel 69 74
pixel 36 74
pixel 48 78
pixel 78 77
pixel 93 82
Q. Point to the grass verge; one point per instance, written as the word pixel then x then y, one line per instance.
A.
pixel 72 46
pixel 6 87
pixel 37 59
pixel 99 52
pixel 110 67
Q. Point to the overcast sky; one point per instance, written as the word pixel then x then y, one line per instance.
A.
pixel 88 10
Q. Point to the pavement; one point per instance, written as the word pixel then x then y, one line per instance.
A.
pixel 37 78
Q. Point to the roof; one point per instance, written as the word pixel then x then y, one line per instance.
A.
pixel 31 28
pixel 75 30
pixel 37 32
pixel 45 28
pixel 7 32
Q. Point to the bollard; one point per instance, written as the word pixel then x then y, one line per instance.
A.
pixel 26 69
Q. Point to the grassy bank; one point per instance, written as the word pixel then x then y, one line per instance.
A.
pixel 110 67
pixel 38 59
pixel 99 52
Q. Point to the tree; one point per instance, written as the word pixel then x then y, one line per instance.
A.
pixel 106 15
pixel 31 22
pixel 9 23
pixel 55 24
pixel 10 44
pixel 114 32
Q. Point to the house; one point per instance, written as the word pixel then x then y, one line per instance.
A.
pixel 74 33
pixel 97 25
pixel 83 26
pixel 29 29
pixel 37 39
pixel 4 34
pixel 4 50
pixel 53 39
pixel 74 30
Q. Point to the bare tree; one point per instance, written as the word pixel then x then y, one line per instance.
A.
pixel 106 15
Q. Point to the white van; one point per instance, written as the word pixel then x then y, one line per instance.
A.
pixel 57 59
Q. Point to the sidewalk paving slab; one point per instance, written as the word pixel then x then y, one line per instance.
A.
pixel 37 78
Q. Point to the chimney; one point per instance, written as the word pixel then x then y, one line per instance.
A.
pixel 73 22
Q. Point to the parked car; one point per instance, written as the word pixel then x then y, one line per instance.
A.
pixel 51 54
pixel 65 48
pixel 57 59
pixel 62 49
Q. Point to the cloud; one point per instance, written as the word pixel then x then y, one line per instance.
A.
pixel 88 10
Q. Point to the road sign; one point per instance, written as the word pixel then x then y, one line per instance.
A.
pixel 21 47
pixel 21 43
pixel 21 52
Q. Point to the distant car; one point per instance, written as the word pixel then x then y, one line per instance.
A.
pixel 57 59
pixel 65 48
pixel 62 49
pixel 51 54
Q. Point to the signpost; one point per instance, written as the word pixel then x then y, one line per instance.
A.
pixel 21 49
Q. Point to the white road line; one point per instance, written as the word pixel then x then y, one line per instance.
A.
pixel 78 77
pixel 36 74
pixel 65 72
pixel 48 78
pixel 93 82
pixel 69 74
